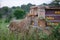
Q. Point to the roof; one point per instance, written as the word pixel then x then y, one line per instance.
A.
pixel 45 7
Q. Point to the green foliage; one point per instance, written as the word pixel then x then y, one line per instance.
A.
pixel 56 32
pixel 30 34
pixel 19 14
pixel 5 10
pixel 7 20
pixel 0 15
pixel 26 8
pixel 55 3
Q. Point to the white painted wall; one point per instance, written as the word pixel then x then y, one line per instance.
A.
pixel 41 13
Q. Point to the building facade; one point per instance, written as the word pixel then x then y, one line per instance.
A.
pixel 51 14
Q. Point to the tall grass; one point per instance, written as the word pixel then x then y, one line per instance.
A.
pixel 30 34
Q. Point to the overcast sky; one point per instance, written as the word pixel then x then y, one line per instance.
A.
pixel 11 3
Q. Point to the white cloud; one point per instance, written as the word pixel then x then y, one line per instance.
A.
pixel 11 3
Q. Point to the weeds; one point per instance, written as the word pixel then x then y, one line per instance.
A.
pixel 29 34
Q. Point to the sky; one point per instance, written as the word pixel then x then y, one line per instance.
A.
pixel 11 3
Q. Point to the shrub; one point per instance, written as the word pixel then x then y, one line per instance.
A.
pixel 19 14
pixel 8 19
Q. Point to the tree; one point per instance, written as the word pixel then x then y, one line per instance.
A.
pixel 19 14
pixel 5 10
pixel 55 3
pixel 26 8
pixel 0 13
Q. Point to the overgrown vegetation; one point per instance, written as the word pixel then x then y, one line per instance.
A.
pixel 30 34
pixel 6 14
pixel 19 14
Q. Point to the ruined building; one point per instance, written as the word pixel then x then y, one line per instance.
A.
pixel 39 16
pixel 48 13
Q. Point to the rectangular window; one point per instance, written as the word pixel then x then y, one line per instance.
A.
pixel 57 12
pixel 50 18
pixel 53 17
pixel 52 11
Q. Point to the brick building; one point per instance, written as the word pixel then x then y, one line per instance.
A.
pixel 52 14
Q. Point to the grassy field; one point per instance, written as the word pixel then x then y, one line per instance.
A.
pixel 5 34
pixel 34 35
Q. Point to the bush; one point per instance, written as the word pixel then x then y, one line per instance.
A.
pixel 19 14
pixel 8 18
